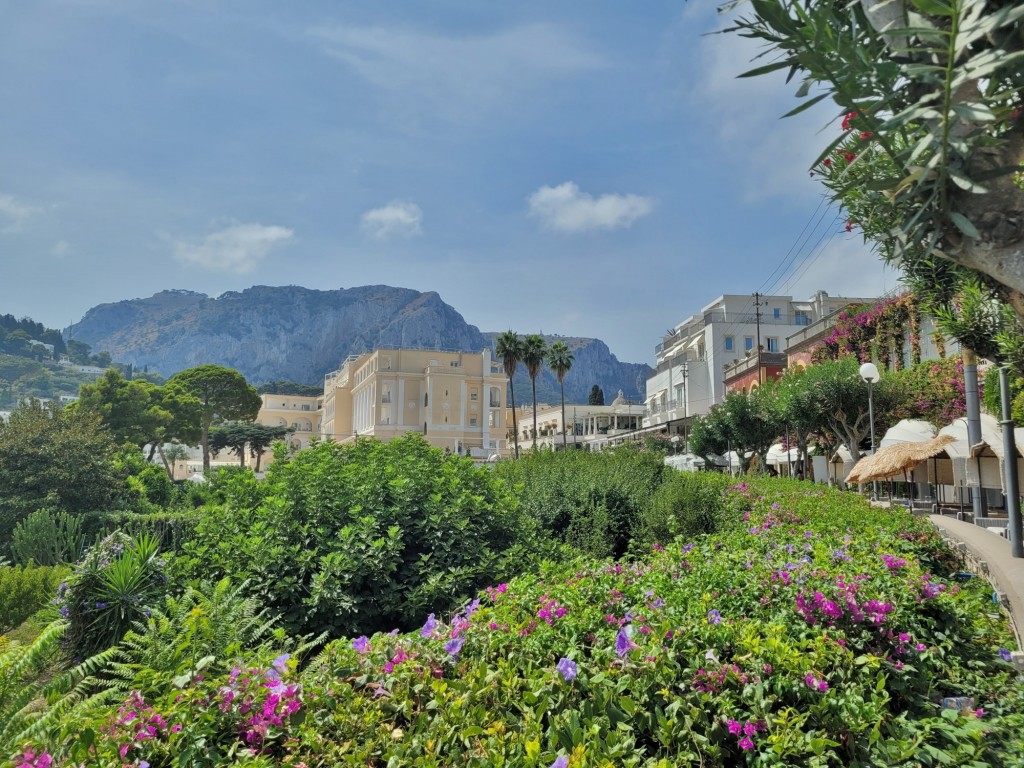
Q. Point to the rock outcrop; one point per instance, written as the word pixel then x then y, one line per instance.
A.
pixel 300 334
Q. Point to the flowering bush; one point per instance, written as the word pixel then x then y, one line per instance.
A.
pixel 875 332
pixel 113 586
pixel 810 630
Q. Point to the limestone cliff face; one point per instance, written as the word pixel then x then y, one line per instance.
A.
pixel 300 334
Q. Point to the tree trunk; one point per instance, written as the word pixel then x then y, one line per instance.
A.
pixel 564 448
pixel 206 449
pixel 167 465
pixel 533 382
pixel 515 424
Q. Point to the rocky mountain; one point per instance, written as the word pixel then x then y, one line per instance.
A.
pixel 300 334
pixel 593 363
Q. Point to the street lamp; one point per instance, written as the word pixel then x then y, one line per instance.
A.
pixel 683 370
pixel 869 372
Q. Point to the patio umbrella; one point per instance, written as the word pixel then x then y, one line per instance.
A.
pixel 896 459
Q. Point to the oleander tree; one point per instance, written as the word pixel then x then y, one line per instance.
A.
pixel 928 157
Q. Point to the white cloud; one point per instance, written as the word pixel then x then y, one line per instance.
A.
pixel 845 266
pixel 397 218
pixel 15 211
pixel 767 155
pixel 567 209
pixel 238 248
pixel 456 76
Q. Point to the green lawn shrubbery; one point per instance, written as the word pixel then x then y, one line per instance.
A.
pixel 809 630
pixel 595 502
pixel 24 590
pixel 362 537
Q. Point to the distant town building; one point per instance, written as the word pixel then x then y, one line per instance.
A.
pixel 299 413
pixel 589 427
pixel 456 400
pixel 691 359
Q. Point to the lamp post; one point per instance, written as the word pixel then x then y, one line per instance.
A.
pixel 683 370
pixel 869 372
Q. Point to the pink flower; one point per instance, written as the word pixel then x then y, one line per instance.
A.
pixel 745 743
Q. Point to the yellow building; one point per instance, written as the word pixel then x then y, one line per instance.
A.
pixel 456 400
pixel 299 413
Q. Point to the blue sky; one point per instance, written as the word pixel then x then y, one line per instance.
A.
pixel 588 169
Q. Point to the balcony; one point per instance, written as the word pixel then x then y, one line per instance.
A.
pixel 814 330
pixel 773 359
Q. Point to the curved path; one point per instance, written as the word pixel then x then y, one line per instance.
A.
pixel 993 551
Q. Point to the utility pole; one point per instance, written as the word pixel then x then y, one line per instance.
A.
pixel 757 319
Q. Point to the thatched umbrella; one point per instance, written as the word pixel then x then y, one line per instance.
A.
pixel 896 459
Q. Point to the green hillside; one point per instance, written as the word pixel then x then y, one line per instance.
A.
pixel 22 377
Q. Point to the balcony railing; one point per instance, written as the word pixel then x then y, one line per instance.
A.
pixel 817 328
pixel 750 363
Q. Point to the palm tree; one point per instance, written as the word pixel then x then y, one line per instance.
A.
pixel 510 349
pixel 560 360
pixel 534 350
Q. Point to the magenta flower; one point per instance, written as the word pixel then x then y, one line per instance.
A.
pixel 567 668
pixel 745 743
pixel 734 727
pixel 623 643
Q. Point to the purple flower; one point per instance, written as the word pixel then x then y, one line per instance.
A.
pixel 429 626
pixel 623 643
pixel 1005 655
pixel 453 646
pixel 281 663
pixel 714 617
pixel 560 762
pixel 361 644
pixel 814 683
pixel 567 668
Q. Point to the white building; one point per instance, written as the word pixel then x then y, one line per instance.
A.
pixel 589 427
pixel 690 360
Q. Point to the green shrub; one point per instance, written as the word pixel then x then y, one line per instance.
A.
pixel 687 504
pixel 209 628
pixel 362 537
pixel 594 502
pixel 46 537
pixel 24 590
pixel 171 529
pixel 804 632
pixel 116 583
pixel 148 488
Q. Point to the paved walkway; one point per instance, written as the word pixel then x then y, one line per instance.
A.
pixel 994 551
